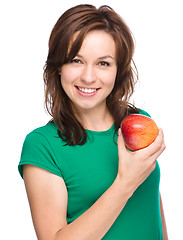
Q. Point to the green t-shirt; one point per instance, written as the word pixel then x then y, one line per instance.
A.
pixel 88 171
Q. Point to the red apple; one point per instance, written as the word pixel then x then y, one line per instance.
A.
pixel 139 131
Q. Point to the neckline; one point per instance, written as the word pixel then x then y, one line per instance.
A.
pixel 106 132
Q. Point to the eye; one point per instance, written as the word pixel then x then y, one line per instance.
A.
pixel 104 64
pixel 75 60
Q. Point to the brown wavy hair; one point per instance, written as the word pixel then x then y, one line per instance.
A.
pixel 83 19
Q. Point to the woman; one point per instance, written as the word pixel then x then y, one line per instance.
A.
pixel 81 181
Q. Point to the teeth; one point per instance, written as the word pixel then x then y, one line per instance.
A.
pixel 87 90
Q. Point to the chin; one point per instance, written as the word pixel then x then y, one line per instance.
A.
pixel 87 106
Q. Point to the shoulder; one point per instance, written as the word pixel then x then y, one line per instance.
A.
pixel 44 139
pixel 47 130
pixel 40 149
pixel 47 133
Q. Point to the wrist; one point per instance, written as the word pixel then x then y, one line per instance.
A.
pixel 124 190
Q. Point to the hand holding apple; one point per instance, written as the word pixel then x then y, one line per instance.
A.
pixel 134 167
pixel 139 131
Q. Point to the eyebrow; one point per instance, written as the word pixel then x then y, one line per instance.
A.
pixel 100 58
pixel 104 57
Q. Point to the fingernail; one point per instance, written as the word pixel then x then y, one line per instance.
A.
pixel 119 131
pixel 160 131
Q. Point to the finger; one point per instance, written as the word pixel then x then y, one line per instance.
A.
pixel 158 144
pixel 159 152
pixel 120 141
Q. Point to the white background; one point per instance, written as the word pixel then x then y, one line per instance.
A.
pixel 25 27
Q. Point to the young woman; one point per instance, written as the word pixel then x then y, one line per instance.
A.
pixel 81 181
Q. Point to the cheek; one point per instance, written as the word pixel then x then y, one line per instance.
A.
pixel 67 77
pixel 110 80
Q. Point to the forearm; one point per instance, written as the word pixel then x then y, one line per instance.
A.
pixel 97 220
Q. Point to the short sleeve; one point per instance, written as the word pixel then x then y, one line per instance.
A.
pixel 37 151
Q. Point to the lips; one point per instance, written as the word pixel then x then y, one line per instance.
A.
pixel 85 91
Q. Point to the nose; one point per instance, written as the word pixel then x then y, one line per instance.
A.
pixel 88 74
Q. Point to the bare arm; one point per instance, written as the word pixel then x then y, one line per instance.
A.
pixel 48 200
pixel 48 196
pixel 165 234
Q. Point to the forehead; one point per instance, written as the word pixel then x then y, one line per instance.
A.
pixel 97 42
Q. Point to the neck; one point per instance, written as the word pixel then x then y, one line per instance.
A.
pixel 95 119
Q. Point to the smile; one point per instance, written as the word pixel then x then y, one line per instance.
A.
pixel 87 90
pixel 83 91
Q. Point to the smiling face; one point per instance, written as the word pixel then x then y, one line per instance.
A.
pixel 89 78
